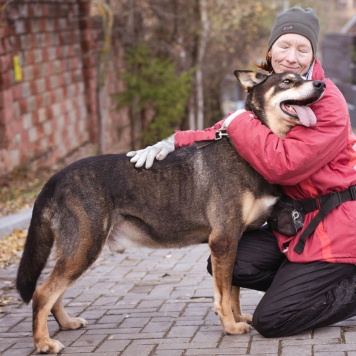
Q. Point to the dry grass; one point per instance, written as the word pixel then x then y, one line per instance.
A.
pixel 19 189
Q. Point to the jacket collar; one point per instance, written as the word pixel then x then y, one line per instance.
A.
pixel 318 71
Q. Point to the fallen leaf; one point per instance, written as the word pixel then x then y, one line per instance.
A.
pixel 11 247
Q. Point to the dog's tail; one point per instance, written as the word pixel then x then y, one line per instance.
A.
pixel 37 249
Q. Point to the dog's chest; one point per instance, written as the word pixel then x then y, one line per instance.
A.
pixel 256 210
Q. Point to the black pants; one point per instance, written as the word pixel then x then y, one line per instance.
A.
pixel 299 296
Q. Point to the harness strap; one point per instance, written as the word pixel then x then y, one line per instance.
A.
pixel 325 203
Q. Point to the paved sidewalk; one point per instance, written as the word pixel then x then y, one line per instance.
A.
pixel 19 221
pixel 156 302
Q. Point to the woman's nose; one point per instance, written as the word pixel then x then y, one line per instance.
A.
pixel 291 56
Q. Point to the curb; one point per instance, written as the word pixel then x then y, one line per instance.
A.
pixel 16 221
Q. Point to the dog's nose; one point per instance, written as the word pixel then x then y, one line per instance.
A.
pixel 319 84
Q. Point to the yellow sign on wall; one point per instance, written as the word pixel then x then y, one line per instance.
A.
pixel 17 69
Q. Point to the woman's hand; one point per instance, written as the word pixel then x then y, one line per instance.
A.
pixel 158 151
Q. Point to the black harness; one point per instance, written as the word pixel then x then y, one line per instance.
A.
pixel 324 204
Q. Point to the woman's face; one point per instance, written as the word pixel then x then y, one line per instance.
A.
pixel 291 53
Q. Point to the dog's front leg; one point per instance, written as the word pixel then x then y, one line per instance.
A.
pixel 223 253
pixel 236 307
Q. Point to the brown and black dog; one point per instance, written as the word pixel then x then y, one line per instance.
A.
pixel 197 194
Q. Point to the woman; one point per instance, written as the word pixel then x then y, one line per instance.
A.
pixel 315 286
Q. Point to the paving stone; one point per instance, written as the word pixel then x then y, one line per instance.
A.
pixel 66 337
pixel 270 346
pixel 214 352
pixel 157 303
pixel 92 314
pixel 350 337
pixel 78 350
pixel 171 353
pixel 182 331
pixel 305 350
pixel 114 320
pixel 334 347
pixel 113 331
pixel 136 335
pixel 296 342
pixel 158 326
pixel 138 349
pixel 6 343
pixel 113 346
pixel 238 341
pixel 87 340
pixel 18 352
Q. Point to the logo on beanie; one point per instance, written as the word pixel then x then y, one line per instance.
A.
pixel 287 28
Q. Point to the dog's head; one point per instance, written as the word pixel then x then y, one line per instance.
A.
pixel 280 100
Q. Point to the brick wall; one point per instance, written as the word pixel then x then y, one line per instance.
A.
pixel 48 104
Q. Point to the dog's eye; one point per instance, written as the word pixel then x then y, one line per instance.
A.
pixel 287 81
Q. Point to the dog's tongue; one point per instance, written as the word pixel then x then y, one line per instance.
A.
pixel 305 115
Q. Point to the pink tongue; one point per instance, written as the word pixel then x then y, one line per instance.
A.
pixel 305 115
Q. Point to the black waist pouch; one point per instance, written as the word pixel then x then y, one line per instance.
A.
pixel 287 216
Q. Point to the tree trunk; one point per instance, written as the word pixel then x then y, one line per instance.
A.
pixel 191 111
pixel 204 21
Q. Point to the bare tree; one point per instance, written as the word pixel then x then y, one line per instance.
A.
pixel 212 36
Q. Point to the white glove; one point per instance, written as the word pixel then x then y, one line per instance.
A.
pixel 147 155
pixel 231 117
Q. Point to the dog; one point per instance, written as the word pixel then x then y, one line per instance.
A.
pixel 202 193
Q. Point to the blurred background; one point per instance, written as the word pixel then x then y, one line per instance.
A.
pixel 81 77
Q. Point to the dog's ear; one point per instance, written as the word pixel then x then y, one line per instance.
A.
pixel 248 78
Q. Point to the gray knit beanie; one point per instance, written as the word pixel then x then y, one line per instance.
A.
pixel 296 20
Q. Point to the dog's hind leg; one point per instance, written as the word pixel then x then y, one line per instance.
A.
pixel 43 300
pixel 48 297
pixel 223 252
pixel 236 307
pixel 63 320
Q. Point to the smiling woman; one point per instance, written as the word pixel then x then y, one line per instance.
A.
pixel 293 41
pixel 291 53
pixel 309 280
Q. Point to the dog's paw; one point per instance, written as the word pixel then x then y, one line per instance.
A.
pixel 238 328
pixel 74 323
pixel 49 346
pixel 246 318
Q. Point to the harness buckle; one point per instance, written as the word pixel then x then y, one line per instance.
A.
pixel 338 197
pixel 318 202
pixel 352 191
pixel 220 134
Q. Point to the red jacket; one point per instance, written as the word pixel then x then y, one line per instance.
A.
pixel 309 162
